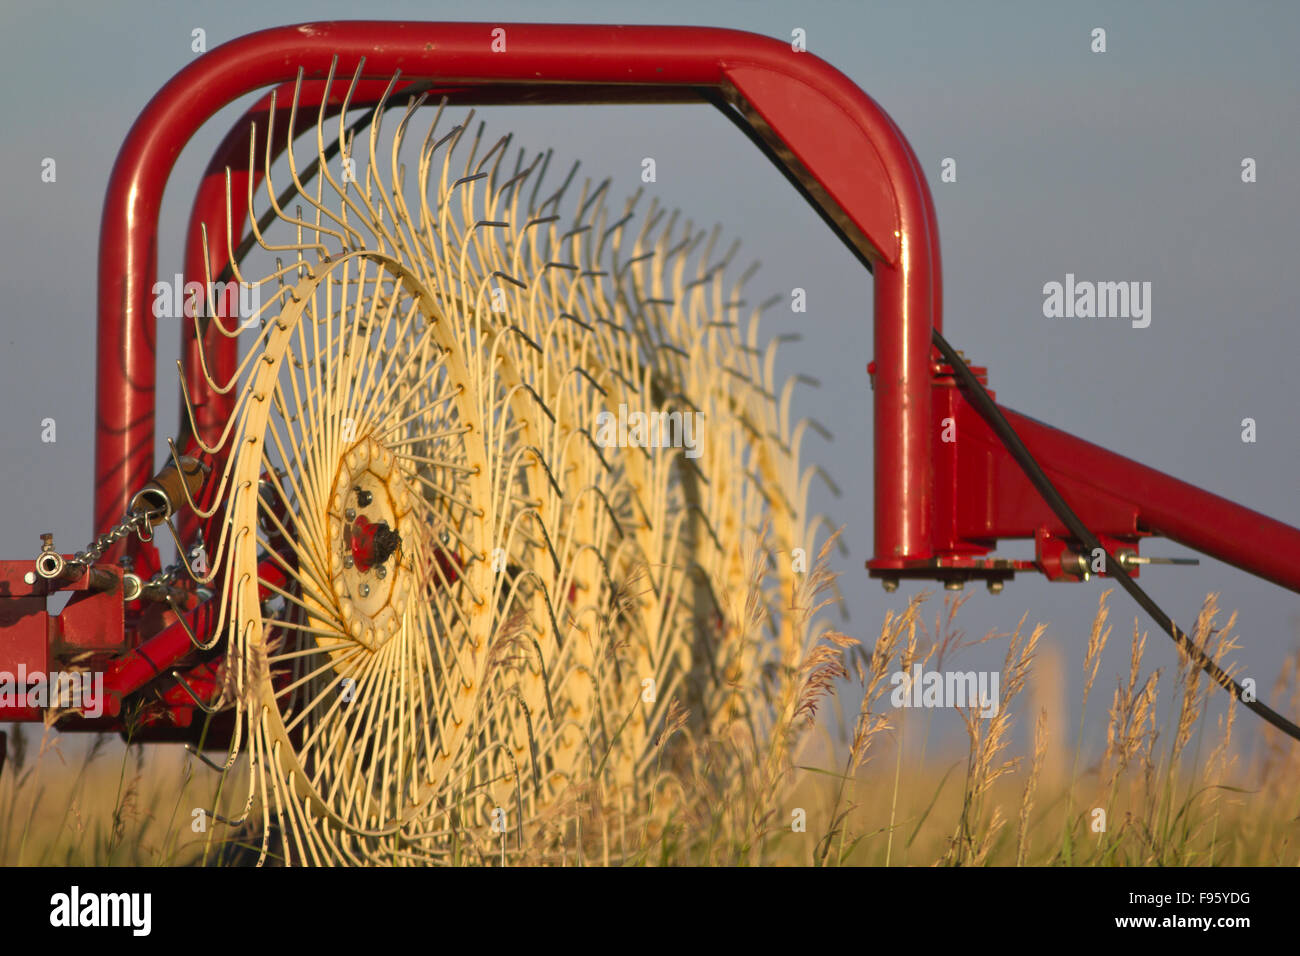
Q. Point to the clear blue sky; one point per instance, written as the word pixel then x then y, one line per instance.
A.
pixel 1116 166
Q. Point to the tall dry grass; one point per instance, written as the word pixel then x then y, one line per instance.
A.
pixel 109 805
pixel 1164 784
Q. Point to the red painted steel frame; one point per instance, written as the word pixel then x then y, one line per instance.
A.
pixel 936 505
pixel 1122 497
pixel 939 505
pixel 859 164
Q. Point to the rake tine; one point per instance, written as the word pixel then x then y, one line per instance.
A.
pixel 185 685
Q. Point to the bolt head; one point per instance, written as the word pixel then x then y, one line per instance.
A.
pixel 30 577
pixel 995 587
pixel 953 585
pixel 889 584
pixel 364 589
pixel 381 571
pixel 350 514
pixel 347 561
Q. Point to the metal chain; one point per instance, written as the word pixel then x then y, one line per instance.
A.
pixel 139 521
pixel 95 550
pixel 161 581
pixel 51 565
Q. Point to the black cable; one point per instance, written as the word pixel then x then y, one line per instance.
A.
pixel 785 165
pixel 985 405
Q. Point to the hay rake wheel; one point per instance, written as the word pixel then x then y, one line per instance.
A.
pixel 362 756
pixel 445 591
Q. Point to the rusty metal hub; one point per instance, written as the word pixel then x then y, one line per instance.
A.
pixel 368 519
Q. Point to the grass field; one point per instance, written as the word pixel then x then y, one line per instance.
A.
pixel 1165 787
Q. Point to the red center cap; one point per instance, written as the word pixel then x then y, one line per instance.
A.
pixel 371 543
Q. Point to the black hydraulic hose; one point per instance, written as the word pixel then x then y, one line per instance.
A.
pixel 985 405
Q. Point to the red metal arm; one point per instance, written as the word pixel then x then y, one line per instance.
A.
pixel 981 495
pixel 1155 502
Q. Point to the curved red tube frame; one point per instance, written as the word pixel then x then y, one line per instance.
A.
pixel 851 157
pixel 938 506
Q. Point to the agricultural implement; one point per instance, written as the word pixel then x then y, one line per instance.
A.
pixel 307 533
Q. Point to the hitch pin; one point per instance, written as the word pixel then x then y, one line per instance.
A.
pixel 52 566
pixel 1129 560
